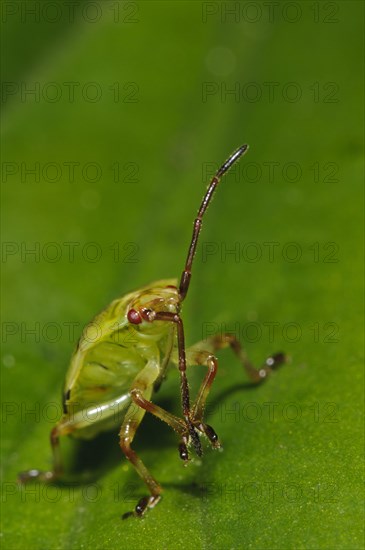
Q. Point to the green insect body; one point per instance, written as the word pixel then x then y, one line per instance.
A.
pixel 110 354
pixel 121 359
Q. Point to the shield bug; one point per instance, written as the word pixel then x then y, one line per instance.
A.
pixel 139 336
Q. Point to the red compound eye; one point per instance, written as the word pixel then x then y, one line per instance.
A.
pixel 134 317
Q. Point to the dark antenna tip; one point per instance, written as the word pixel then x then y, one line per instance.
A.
pixel 232 159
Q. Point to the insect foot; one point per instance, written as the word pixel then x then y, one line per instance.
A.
pixel 272 363
pixel 183 451
pixel 192 438
pixel 211 435
pixel 32 475
pixel 143 504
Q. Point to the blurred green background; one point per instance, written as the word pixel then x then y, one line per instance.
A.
pixel 115 114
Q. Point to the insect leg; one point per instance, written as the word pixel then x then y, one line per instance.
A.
pixel 205 358
pixel 56 473
pixel 220 341
pixel 69 423
pixel 202 354
pixel 151 315
pixel 196 357
pixel 173 421
pixel 127 432
pixel 141 392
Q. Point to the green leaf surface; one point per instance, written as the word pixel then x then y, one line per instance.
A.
pixel 163 92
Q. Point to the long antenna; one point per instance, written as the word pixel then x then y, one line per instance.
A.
pixel 186 274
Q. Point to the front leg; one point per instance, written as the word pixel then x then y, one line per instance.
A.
pixel 202 354
pixel 192 435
